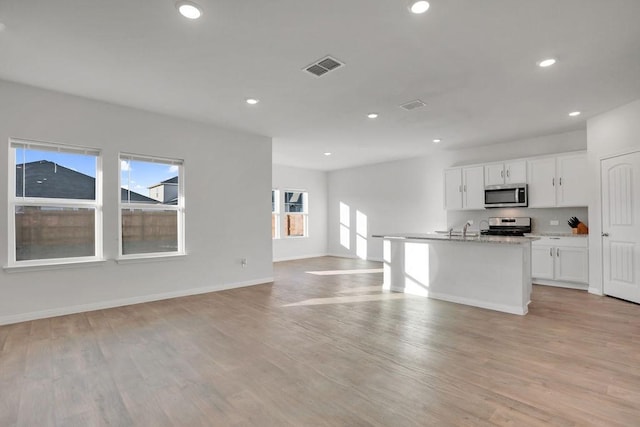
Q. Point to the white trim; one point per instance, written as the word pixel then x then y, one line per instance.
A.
pixel 62 311
pixel 293 258
pixel 150 257
pixel 511 309
pixel 557 284
pixel 595 291
pixel 60 263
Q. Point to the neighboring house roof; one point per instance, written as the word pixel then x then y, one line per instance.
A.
pixel 173 180
pixel 44 178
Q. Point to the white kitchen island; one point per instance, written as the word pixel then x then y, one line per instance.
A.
pixel 491 272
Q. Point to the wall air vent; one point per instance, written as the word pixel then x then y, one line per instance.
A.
pixel 412 105
pixel 323 66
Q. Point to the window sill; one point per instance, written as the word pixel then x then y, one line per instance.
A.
pixel 131 259
pixel 53 266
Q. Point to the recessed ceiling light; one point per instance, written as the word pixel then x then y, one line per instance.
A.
pixel 575 113
pixel 252 101
pixel 327 153
pixel 546 62
pixel 419 6
pixel 372 115
pixel 437 141
pixel 189 9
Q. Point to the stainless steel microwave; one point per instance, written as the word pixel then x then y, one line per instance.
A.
pixel 505 196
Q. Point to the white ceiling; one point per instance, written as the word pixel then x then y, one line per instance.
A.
pixel 473 62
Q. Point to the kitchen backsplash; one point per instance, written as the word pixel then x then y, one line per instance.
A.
pixel 540 218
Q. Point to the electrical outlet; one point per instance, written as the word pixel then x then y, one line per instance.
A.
pixel 553 222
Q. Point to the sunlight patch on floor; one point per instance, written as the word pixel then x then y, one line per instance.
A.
pixel 338 272
pixel 349 299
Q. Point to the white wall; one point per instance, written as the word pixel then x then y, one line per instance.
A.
pixel 611 133
pixel 227 178
pixel 407 195
pixel 315 183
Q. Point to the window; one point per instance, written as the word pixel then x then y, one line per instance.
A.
pixel 151 206
pixel 275 214
pixel 296 210
pixel 55 204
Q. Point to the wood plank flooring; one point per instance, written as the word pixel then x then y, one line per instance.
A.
pixel 326 350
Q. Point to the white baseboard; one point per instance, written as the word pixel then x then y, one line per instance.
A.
pixel 567 285
pixel 595 291
pixel 293 258
pixel 62 311
pixel 482 304
pixel 349 256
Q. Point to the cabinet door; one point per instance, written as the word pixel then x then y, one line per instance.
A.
pixel 515 172
pixel 572 264
pixel 541 177
pixel 572 180
pixel 472 188
pixel 453 189
pixel 542 259
pixel 494 174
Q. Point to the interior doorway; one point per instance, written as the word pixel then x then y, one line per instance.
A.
pixel 620 179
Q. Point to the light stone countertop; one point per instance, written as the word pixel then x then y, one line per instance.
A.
pixel 550 234
pixel 459 239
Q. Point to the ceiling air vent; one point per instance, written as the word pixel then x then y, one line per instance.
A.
pixel 412 105
pixel 323 66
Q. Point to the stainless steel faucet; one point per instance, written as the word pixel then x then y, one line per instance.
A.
pixel 464 230
pixel 450 232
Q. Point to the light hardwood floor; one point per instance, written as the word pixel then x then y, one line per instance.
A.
pixel 326 350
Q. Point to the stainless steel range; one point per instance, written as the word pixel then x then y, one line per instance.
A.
pixel 513 226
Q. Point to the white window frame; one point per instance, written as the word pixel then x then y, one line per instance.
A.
pixel 275 212
pixel 179 208
pixel 15 201
pixel 304 214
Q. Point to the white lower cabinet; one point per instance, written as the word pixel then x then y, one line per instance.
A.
pixel 560 261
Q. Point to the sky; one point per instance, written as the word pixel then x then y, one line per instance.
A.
pixel 135 175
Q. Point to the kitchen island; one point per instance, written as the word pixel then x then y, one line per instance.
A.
pixel 491 272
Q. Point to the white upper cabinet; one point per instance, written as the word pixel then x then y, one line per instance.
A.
pixel 453 189
pixel 572 180
pixel 472 188
pixel 506 173
pixel 558 181
pixel 553 181
pixel 542 182
pixel 463 188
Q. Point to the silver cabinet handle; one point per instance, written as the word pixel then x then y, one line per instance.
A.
pixel 508 173
pixel 557 251
pixel 553 182
pixel 460 188
pixel 502 174
pixel 605 234
pixel 560 180
pixel 550 251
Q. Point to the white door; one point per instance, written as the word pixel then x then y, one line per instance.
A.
pixel 472 187
pixel 572 176
pixel 621 226
pixel 494 174
pixel 453 189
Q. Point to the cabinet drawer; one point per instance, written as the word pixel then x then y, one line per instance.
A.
pixel 571 242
